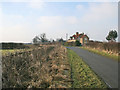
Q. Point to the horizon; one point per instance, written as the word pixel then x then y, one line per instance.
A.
pixel 22 21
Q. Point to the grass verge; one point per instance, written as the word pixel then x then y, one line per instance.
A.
pixel 82 75
pixel 112 56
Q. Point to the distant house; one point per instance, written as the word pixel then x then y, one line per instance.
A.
pixel 84 39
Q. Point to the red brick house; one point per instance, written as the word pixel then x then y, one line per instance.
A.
pixel 83 38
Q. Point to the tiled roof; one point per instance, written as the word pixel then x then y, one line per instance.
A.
pixel 79 35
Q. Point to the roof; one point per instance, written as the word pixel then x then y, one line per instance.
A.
pixel 80 35
pixel 84 36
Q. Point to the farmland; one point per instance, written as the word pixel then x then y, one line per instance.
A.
pixel 47 66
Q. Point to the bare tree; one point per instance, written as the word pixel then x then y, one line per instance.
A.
pixel 40 39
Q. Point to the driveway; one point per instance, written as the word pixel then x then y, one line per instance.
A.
pixel 104 67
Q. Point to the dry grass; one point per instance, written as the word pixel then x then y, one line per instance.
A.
pixel 103 53
pixel 110 47
pixel 46 66
pixel 41 67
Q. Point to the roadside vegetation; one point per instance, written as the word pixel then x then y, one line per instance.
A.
pixel 47 66
pixel 11 51
pixel 42 67
pixel 13 46
pixel 108 49
pixel 102 52
pixel 82 75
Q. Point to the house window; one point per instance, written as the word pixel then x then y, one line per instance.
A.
pixel 85 40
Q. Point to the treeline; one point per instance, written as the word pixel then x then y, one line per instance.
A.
pixel 12 46
pixel 107 46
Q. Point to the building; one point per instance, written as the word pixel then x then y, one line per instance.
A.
pixel 84 39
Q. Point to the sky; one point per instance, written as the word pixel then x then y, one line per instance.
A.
pixel 21 21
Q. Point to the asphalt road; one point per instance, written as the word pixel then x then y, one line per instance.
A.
pixel 104 67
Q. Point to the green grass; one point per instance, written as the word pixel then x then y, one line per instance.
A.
pixel 8 51
pixel 100 52
pixel 5 52
pixel 82 74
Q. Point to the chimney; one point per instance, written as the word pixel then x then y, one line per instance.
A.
pixel 77 33
pixel 82 33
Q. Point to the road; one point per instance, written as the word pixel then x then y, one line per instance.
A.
pixel 104 67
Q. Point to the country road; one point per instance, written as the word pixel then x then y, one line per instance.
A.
pixel 104 67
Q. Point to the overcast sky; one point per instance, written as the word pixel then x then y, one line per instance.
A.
pixel 21 20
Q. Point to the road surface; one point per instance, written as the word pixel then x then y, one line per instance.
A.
pixel 104 67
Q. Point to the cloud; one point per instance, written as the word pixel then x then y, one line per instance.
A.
pixel 62 0
pixel 57 26
pixel 37 4
pixel 0 14
pixel 71 20
pixel 79 7
pixel 14 0
pixel 50 21
pixel 99 12
pixel 16 28
pixel 19 33
pixel 57 21
pixel 0 20
pixel 96 20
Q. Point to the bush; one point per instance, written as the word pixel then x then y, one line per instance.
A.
pixel 13 46
pixel 77 43
pixel 107 46
pixel 36 68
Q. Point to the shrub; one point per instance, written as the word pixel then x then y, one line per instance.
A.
pixel 34 68
pixel 107 46
pixel 77 43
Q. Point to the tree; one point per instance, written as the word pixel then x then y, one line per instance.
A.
pixel 77 43
pixel 112 35
pixel 36 40
pixel 43 38
pixel 40 39
pixel 60 40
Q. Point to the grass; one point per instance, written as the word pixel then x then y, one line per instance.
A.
pixel 42 67
pixel 82 74
pixel 8 51
pixel 103 53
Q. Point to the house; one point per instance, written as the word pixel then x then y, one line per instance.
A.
pixel 83 38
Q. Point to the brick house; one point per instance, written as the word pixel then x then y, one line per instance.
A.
pixel 83 38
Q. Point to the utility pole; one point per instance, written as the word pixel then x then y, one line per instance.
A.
pixel 66 36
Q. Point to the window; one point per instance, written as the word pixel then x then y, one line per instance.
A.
pixel 85 40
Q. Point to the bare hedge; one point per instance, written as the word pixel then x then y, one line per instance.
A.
pixel 107 46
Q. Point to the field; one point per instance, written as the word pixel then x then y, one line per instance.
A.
pixel 47 66
pixel 42 67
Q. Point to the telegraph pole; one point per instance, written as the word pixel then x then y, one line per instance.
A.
pixel 66 36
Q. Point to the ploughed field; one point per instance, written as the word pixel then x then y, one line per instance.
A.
pixel 48 66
